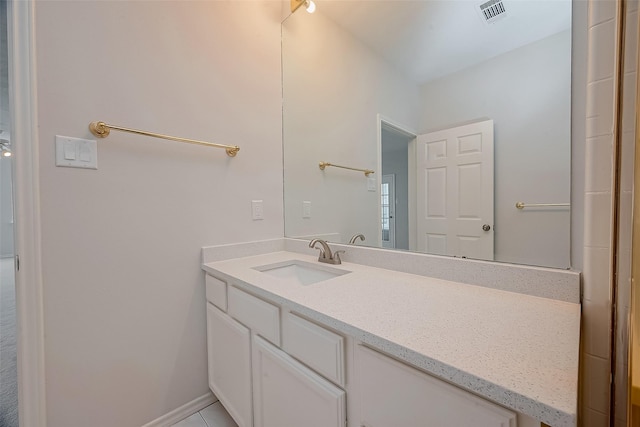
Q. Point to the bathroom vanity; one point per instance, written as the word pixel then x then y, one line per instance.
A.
pixel 294 342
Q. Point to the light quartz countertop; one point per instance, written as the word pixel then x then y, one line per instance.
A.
pixel 518 350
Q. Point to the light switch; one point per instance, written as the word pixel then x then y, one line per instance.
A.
pixel 76 152
pixel 306 209
pixel 257 210
pixel 69 150
pixel 371 184
pixel 85 152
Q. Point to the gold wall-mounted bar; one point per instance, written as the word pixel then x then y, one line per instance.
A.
pixel 102 130
pixel 323 165
pixel 522 205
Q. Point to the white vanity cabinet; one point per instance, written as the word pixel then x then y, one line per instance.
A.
pixel 315 346
pixel 288 394
pixel 391 393
pixel 271 367
pixel 229 360
pixel 261 317
pixel 258 383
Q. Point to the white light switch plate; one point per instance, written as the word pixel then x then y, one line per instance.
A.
pixel 76 152
pixel 306 209
pixel 257 209
pixel 371 184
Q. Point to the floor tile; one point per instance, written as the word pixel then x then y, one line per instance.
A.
pixel 216 416
pixel 194 420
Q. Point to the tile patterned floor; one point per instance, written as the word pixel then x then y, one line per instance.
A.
pixel 212 416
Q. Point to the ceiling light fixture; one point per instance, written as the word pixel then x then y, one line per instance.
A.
pixel 310 5
pixel 5 148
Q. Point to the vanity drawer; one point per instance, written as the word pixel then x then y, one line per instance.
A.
pixel 216 292
pixel 317 347
pixel 258 315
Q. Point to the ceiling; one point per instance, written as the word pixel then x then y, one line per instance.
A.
pixel 428 39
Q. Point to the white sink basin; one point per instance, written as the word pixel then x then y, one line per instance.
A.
pixel 300 272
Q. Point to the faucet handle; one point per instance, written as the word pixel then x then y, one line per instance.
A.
pixel 336 257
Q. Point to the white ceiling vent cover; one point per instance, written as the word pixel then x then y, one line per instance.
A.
pixel 492 11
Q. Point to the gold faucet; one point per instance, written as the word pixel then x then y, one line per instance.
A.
pixel 325 252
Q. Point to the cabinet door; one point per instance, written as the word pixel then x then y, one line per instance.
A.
pixel 229 353
pixel 287 394
pixel 394 394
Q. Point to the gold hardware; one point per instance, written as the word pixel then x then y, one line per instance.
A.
pixel 367 172
pixel 295 4
pixel 99 129
pixel 102 130
pixel 522 205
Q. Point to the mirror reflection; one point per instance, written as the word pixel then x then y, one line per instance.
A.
pixel 461 109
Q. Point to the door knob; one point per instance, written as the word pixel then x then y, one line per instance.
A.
pixel 486 227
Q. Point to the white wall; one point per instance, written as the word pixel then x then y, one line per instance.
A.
pixel 531 145
pixel 359 85
pixel 123 290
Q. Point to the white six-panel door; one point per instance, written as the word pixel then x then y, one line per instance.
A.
pixel 455 191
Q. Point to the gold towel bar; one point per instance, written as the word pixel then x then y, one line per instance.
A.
pixel 101 130
pixel 522 205
pixel 367 172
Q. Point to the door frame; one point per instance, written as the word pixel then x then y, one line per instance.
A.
pixel 383 121
pixel 29 289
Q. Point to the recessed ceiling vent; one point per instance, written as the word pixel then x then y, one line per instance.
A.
pixel 492 11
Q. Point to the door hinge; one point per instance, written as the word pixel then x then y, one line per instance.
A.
pixel 17 263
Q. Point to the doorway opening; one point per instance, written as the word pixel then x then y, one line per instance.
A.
pixel 397 165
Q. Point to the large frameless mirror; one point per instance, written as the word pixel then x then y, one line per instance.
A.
pixel 444 126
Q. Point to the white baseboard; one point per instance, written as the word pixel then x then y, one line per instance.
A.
pixel 184 411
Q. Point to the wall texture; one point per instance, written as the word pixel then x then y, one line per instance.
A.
pixel 123 289
pixel 527 94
